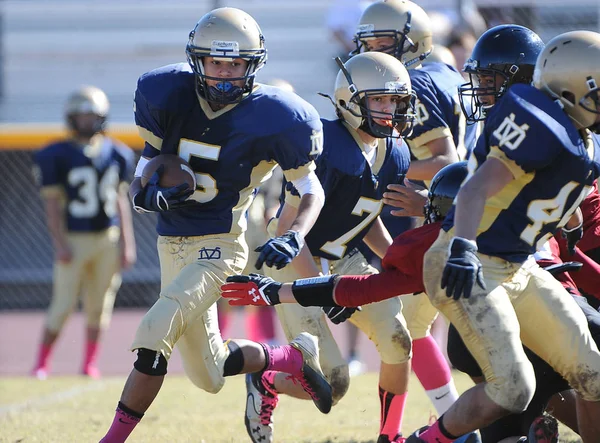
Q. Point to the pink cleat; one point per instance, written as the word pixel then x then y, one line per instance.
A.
pixel 41 373
pixel 92 372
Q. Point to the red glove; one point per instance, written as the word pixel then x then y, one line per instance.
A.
pixel 253 289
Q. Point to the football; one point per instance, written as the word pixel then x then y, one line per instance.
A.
pixel 176 171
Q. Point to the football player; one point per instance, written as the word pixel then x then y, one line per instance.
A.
pixel 440 136
pixel 363 152
pixel 233 133
pixel 403 272
pixel 83 184
pixel 503 56
pixel 516 197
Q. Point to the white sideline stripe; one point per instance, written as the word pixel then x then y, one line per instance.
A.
pixel 50 399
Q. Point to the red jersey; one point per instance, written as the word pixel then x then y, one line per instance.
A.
pixel 590 209
pixel 402 270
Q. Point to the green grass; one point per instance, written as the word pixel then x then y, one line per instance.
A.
pixel 183 413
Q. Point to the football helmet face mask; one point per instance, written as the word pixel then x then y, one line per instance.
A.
pixel 374 74
pixel 568 69
pixel 226 34
pixel 443 190
pixel 87 100
pixel 503 55
pixel 405 23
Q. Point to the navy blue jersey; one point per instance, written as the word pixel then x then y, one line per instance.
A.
pixel 438 110
pixel 553 168
pixel 353 190
pixel 87 177
pixel 231 151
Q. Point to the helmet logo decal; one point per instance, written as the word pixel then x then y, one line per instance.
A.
pixel 399 87
pixel 365 29
pixel 221 48
pixel 509 133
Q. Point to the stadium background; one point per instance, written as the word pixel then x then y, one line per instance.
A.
pixel 48 48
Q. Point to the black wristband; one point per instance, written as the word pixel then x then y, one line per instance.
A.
pixel 272 291
pixel 315 291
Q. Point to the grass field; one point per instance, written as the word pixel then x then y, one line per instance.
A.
pixel 74 409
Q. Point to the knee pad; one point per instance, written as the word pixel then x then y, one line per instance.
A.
pixel 393 342
pixel 235 361
pixel 150 362
pixel 513 389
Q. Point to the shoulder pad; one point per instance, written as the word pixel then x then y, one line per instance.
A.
pixel 170 88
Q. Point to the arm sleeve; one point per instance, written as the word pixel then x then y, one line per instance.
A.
pixel 402 270
pixel 357 290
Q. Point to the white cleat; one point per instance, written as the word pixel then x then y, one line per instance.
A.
pixel 312 379
pixel 260 403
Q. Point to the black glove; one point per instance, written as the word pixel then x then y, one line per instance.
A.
pixel 253 289
pixel 462 269
pixel 280 251
pixel 572 236
pixel 154 198
pixel 339 314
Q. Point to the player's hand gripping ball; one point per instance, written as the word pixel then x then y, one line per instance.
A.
pixel 167 183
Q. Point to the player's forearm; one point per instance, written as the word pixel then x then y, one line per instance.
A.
pixel 308 212
pixel 358 290
pixel 127 234
pixel 426 169
pixel 135 187
pixel 469 211
pixel 304 264
pixel 491 177
pixel 378 239
pixel 576 220
pixel 55 221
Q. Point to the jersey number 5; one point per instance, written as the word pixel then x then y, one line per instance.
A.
pixel 338 246
pixel 206 185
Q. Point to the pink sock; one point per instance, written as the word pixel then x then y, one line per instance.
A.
pixel 43 356
pixel 91 352
pixel 434 434
pixel 429 363
pixel 121 427
pixel 392 409
pixel 284 359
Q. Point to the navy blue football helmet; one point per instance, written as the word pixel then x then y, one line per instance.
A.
pixel 443 189
pixel 503 55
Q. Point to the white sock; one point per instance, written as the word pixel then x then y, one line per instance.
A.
pixel 443 397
